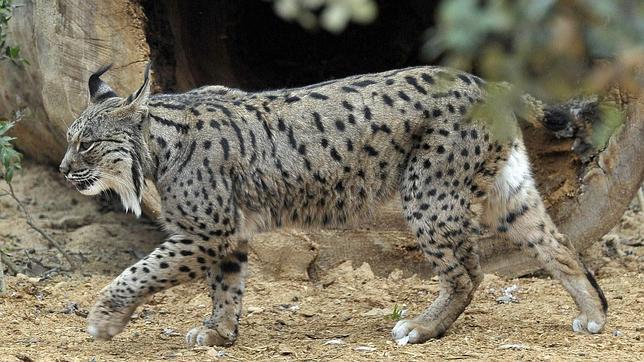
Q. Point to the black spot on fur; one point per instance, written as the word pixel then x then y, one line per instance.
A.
pixel 225 148
pixel 317 95
pixel 388 101
pixel 370 150
pixel 318 121
pixel 230 267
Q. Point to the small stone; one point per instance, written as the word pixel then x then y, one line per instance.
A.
pixel 617 333
pixel 169 332
pixel 70 308
pixel 308 313
pixel 24 277
pixel 253 309
pixel 213 353
pixel 289 307
pixel 395 275
pixel 344 268
pixel 285 350
pixel 73 308
pixel 365 272
pixel 516 347
pixel 507 296
pixel 377 312
pixel 333 342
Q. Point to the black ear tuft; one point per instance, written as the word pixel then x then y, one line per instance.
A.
pixel 99 90
pixel 141 95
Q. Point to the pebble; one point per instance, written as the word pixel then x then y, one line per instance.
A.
pixel 213 353
pixel 290 307
pixel 253 309
pixel 395 275
pixel 364 272
pixel 285 351
pixel 507 296
pixel 169 332
pixel 515 347
pixel 333 342
pixel 32 280
pixel 365 349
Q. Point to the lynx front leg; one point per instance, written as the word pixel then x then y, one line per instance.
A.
pixel 226 282
pixel 176 261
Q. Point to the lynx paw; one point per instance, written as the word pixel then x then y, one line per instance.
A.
pixel 582 324
pixel 104 323
pixel 409 331
pixel 204 336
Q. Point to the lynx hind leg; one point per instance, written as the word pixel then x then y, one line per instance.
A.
pixel 515 211
pixel 226 283
pixel 438 216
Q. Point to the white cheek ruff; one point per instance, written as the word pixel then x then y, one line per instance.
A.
pixel 123 187
pixel 96 188
pixel 130 201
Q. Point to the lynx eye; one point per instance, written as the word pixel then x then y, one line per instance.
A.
pixel 86 146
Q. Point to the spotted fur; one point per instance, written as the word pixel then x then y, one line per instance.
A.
pixel 228 164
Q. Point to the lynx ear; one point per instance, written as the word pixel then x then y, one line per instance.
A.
pixel 139 99
pixel 99 90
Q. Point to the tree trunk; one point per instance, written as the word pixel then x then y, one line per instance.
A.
pixel 67 40
pixel 64 42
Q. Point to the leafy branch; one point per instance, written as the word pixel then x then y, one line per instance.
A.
pixel 8 52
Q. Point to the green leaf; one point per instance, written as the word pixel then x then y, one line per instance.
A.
pixel 14 52
pixel 9 175
pixel 5 126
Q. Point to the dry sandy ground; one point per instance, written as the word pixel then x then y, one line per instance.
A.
pixel 344 315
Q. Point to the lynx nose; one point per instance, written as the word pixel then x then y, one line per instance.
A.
pixel 64 168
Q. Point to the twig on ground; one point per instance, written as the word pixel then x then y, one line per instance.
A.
pixel 31 223
pixel 4 258
pixel 35 261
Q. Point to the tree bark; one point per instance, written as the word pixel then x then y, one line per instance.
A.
pixel 64 42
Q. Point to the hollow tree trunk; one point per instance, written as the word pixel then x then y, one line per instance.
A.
pixel 66 41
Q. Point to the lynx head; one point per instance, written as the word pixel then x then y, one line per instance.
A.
pixel 106 143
